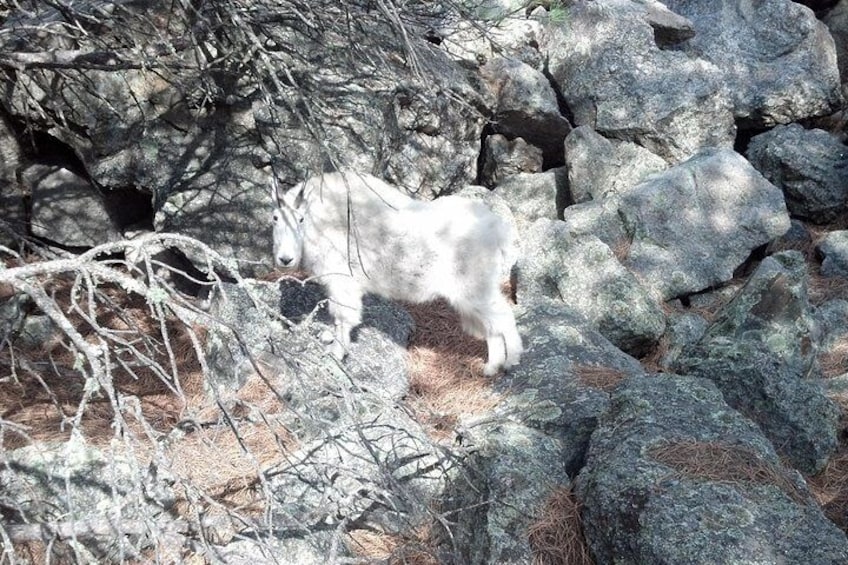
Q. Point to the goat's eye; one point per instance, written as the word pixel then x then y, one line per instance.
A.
pixel 276 218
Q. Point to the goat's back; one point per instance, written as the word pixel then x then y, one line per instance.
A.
pixel 336 198
pixel 398 247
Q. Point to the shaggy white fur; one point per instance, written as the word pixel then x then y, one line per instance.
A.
pixel 357 234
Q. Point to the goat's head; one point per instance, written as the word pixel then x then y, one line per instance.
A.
pixel 288 226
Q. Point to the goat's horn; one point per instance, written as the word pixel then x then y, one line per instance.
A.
pixel 275 189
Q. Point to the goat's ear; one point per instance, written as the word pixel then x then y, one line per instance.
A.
pixel 300 196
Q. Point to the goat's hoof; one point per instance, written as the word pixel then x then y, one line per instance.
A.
pixel 510 364
pixel 491 370
pixel 338 352
pixel 326 337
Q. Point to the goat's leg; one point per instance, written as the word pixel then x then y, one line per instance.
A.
pixel 512 340
pixel 345 305
pixel 503 340
pixel 485 322
pixel 496 355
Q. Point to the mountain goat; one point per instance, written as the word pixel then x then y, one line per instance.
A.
pixel 357 234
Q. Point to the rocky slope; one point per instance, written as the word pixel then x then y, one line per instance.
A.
pixel 678 177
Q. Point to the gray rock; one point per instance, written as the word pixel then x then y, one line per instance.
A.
pixel 503 157
pixel 422 136
pixel 616 80
pixel 245 329
pixel 101 115
pixel 360 457
pixel 12 314
pixel 560 387
pixel 832 317
pixel 36 331
pixel 10 151
pixel 514 469
pixel 713 300
pixel 526 105
pixel 427 144
pixel 505 32
pixel 532 196
pixel 836 21
pixel 761 352
pixel 777 60
pixel 12 215
pixel 376 361
pixel 669 28
pixel 418 126
pixel 12 212
pixel 67 209
pixel 674 475
pixel 834 249
pixel 298 547
pixel 692 225
pixel 195 144
pixel 218 197
pixel 583 272
pixel 600 218
pixel 683 329
pixel 832 321
pixel 146 160
pixel 598 167
pixel 376 467
pixel 798 237
pixel 809 166
pixel 95 490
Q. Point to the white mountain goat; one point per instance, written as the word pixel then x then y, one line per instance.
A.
pixel 356 234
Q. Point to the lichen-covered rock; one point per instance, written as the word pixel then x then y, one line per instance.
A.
pixel 376 361
pixel 600 218
pixel 375 467
pixel 532 196
pixel 674 475
pixel 834 249
pixel 682 330
pixel 67 209
pixel 288 547
pixel 13 310
pixel 95 490
pixel 836 21
pixel 692 225
pixel 809 166
pixel 669 28
pixel 526 105
pixel 832 317
pixel 426 143
pixel 561 384
pixel 218 196
pixel 12 212
pixel 583 272
pixel 501 31
pixel 513 468
pixel 615 79
pixel 598 167
pixel 503 157
pixel 760 351
pixel 777 59
pixel 677 230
